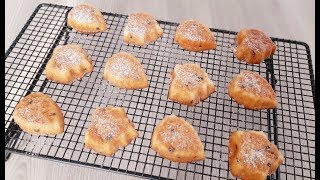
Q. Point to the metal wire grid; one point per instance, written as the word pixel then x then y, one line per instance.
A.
pixel 214 119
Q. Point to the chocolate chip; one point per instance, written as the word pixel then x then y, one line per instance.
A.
pixel 36 130
pixel 253 53
pixel 52 114
pixel 269 164
pixel 171 149
pixel 130 36
pixel 98 28
pixel 30 101
pixel 108 137
pixel 268 147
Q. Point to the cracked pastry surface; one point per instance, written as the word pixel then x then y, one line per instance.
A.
pixel 38 114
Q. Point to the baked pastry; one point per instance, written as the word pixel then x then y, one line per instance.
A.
pixel 189 84
pixel 252 91
pixel 194 36
pixel 141 29
pixel 252 156
pixel 125 71
pixel 67 63
pixel 87 19
pixel 253 46
pixel 38 114
pixel 109 130
pixel 176 140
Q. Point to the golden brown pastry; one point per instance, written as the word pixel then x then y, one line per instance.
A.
pixel 252 156
pixel 176 140
pixel 253 46
pixel 252 91
pixel 189 84
pixel 68 62
pixel 125 71
pixel 86 18
pixel 194 36
pixel 109 130
pixel 141 29
pixel 38 114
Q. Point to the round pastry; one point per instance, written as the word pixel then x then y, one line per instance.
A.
pixel 252 91
pixel 38 114
pixel 141 29
pixel 194 36
pixel 253 46
pixel 87 19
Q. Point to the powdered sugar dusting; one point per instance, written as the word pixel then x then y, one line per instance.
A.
pixel 139 23
pixel 106 125
pixel 67 57
pixel 83 14
pixel 177 136
pixel 33 109
pixel 252 154
pixel 249 81
pixel 187 76
pixel 122 67
pixel 257 41
pixel 193 31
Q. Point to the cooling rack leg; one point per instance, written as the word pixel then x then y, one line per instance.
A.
pixel 7 155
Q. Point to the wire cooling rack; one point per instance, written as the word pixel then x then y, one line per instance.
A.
pixel 291 126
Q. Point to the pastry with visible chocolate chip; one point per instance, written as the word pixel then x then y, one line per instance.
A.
pixel 86 18
pixel 125 71
pixel 68 63
pixel 38 114
pixel 176 140
pixel 253 46
pixel 189 84
pixel 109 130
pixel 252 91
pixel 252 156
pixel 194 36
pixel 141 29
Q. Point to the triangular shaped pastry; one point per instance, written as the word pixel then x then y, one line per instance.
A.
pixel 67 63
pixel 38 114
pixel 109 130
pixel 175 139
pixel 189 84
pixel 252 91
pixel 141 29
pixel 252 156
pixel 194 36
pixel 125 71
pixel 253 46
pixel 87 19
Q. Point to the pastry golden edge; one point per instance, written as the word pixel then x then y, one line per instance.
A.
pixel 153 33
pixel 239 171
pixel 96 143
pixel 195 46
pixel 56 126
pixel 85 28
pixel 162 150
pixel 247 54
pixel 193 96
pixel 68 76
pixel 126 83
pixel 249 100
